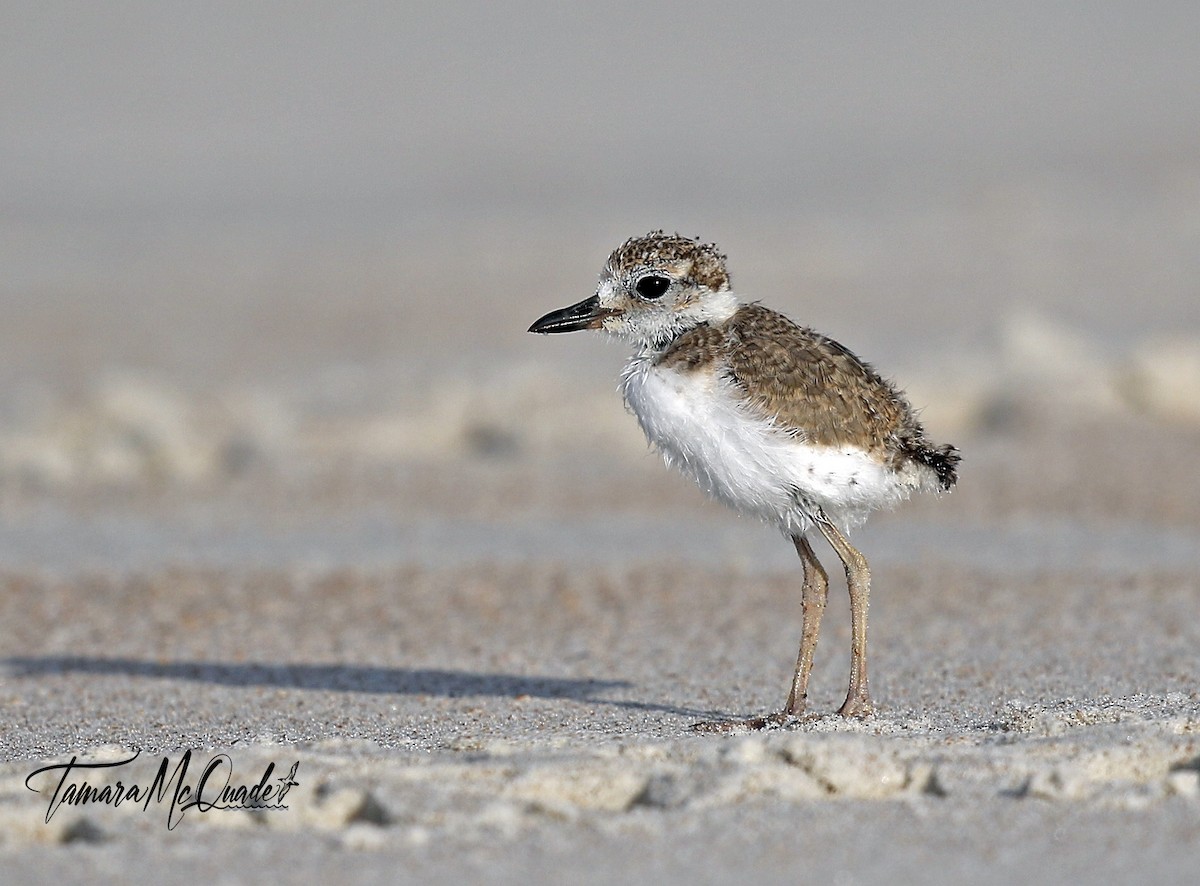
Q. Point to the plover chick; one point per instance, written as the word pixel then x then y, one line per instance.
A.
pixel 772 418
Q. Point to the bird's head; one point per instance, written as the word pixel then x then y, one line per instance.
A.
pixel 651 289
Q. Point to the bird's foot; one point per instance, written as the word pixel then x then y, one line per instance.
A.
pixel 778 720
pixel 857 706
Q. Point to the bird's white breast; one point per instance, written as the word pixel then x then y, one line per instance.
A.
pixel 699 422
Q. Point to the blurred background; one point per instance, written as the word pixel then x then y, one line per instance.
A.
pixel 265 255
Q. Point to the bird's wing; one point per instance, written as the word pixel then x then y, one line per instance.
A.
pixel 809 384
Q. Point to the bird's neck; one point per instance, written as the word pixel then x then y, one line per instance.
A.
pixel 714 309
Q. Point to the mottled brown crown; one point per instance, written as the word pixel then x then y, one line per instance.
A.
pixel 659 249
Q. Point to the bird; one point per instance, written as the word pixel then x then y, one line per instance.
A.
pixel 770 417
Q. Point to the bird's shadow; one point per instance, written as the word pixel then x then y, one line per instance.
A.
pixel 438 682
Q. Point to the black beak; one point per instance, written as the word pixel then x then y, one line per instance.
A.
pixel 586 315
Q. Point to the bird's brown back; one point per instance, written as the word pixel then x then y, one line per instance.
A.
pixel 808 384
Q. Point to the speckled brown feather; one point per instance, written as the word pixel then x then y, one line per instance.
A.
pixel 810 386
pixel 661 250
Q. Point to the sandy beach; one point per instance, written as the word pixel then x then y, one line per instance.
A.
pixel 284 482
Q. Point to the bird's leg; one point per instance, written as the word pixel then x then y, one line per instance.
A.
pixel 812 599
pixel 858 579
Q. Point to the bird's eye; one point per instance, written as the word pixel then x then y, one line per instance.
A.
pixel 652 286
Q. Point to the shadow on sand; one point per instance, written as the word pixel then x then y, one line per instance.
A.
pixel 340 678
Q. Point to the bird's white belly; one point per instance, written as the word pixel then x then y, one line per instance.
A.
pixel 697 421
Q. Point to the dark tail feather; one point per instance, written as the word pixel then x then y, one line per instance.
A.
pixel 943 460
